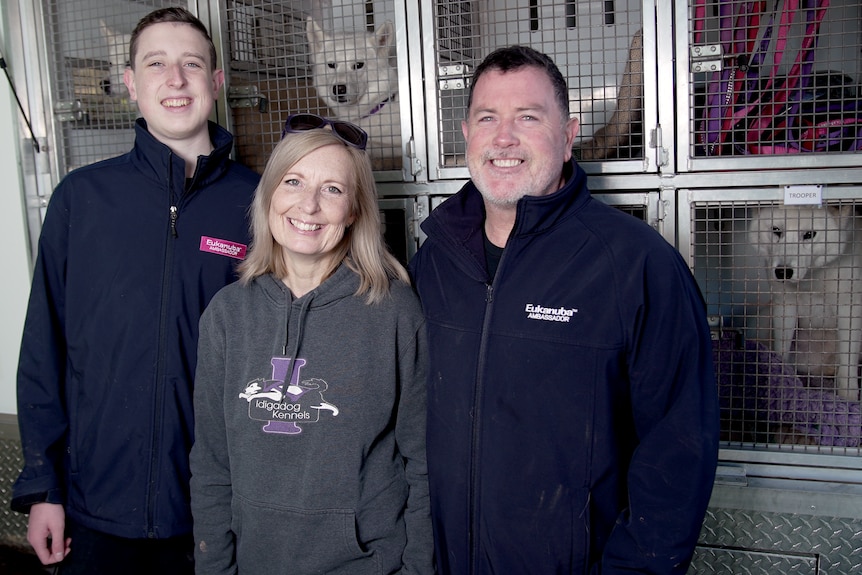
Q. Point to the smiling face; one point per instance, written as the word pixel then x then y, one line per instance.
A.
pixel 517 137
pixel 312 206
pixel 173 82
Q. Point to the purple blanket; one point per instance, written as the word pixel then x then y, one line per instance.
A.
pixel 758 393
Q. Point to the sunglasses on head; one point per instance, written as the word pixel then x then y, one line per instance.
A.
pixel 350 134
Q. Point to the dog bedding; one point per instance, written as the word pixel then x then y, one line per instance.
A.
pixel 762 399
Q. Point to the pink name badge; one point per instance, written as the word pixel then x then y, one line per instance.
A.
pixel 223 247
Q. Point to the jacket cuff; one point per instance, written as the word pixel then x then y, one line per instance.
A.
pixel 22 503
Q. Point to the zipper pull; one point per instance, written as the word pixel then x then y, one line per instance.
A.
pixel 174 216
pixel 489 293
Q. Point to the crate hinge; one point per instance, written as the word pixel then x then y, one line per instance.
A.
pixel 453 77
pixel 706 58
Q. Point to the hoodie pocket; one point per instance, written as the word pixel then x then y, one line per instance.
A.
pixel 289 539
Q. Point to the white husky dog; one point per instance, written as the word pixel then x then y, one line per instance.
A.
pixel 354 75
pixel 118 58
pixel 814 261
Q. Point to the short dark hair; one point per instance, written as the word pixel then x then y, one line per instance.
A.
pixel 172 14
pixel 515 57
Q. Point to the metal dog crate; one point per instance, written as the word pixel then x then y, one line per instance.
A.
pixel 82 114
pixel 780 281
pixel 67 60
pixel 271 73
pixel 93 116
pixel 270 53
pixel 788 496
pixel 604 49
pixel 770 84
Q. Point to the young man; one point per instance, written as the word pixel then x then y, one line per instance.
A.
pixel 131 251
pixel 573 417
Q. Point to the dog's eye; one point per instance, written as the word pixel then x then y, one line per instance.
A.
pixel 330 65
pixel 358 65
pixel 809 235
pixel 777 231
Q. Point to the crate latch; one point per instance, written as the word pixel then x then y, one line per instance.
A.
pixel 246 97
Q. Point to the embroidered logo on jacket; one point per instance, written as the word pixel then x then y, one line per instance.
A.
pixel 282 407
pixel 223 247
pixel 561 314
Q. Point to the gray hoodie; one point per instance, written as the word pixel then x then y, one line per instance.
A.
pixel 329 474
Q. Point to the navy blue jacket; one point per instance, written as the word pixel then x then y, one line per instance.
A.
pixel 573 417
pixel 109 346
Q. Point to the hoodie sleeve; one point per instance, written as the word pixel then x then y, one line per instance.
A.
pixel 42 415
pixel 675 410
pixel 215 542
pixel 410 437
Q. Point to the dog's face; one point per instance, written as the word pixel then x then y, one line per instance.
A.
pixel 798 239
pixel 118 57
pixel 352 69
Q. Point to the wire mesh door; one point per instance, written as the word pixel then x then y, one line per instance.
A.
pixel 336 59
pixel 598 45
pixel 88 43
pixel 774 83
pixel 783 286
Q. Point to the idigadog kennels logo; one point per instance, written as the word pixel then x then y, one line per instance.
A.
pixel 282 407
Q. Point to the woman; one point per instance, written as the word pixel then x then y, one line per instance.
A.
pixel 309 395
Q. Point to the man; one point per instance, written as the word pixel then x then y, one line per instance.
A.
pixel 573 418
pixel 131 251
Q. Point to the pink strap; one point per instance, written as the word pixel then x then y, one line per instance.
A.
pixel 767 116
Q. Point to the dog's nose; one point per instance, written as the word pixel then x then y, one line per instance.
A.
pixel 339 89
pixel 782 274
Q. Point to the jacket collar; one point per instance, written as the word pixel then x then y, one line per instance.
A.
pixel 460 218
pixel 537 214
pixel 158 161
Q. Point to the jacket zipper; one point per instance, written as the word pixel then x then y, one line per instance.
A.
pixel 174 216
pixel 478 394
pixel 159 392
pixel 473 543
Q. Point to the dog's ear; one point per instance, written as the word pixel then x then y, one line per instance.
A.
pixel 845 215
pixel 315 36
pixel 118 59
pixel 384 39
pixel 113 39
pixel 759 230
pixel 844 211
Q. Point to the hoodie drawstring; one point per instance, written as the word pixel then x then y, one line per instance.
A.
pixel 303 311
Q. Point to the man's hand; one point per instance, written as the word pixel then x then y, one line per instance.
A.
pixel 45 532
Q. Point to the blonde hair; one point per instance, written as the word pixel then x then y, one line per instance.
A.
pixel 362 248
